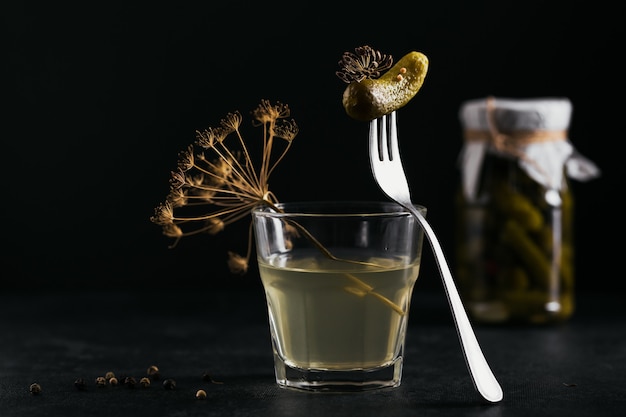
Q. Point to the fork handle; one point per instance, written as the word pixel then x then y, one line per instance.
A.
pixel 484 380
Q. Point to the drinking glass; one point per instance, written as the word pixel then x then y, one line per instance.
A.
pixel 338 279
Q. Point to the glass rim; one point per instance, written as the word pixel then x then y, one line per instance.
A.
pixel 337 208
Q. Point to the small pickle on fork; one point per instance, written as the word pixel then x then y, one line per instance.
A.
pixel 369 98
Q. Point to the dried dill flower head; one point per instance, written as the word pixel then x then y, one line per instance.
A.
pixel 217 182
pixel 365 62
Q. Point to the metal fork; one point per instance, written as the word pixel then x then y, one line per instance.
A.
pixel 389 174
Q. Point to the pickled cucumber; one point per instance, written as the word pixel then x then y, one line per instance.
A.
pixel 517 206
pixel 533 258
pixel 371 98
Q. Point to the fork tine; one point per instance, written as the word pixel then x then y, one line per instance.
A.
pixel 373 140
pixel 392 139
pixel 383 144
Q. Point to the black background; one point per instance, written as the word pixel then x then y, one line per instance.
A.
pixel 99 99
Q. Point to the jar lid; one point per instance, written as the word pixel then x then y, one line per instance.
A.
pixel 517 114
pixel 531 131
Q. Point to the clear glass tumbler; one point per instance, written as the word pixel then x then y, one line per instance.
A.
pixel 338 278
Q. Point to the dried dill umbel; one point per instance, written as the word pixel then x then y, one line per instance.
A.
pixel 364 62
pixel 218 181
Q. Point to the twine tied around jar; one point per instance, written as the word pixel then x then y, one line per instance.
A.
pixel 514 142
pixel 534 132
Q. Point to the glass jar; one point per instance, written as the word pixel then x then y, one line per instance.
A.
pixel 515 238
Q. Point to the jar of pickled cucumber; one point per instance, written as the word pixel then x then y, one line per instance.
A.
pixel 515 238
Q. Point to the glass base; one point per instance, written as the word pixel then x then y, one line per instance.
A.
pixel 322 380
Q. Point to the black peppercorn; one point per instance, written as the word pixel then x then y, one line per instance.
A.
pixel 144 382
pixel 35 388
pixel 80 384
pixel 169 384
pixel 207 377
pixel 130 382
pixel 153 372
pixel 101 382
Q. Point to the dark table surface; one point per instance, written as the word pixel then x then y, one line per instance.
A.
pixel 573 369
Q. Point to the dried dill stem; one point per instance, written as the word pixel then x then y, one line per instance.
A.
pixel 365 289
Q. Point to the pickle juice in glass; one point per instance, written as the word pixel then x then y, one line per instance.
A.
pixel 338 279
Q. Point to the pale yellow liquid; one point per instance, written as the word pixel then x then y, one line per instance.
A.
pixel 323 319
